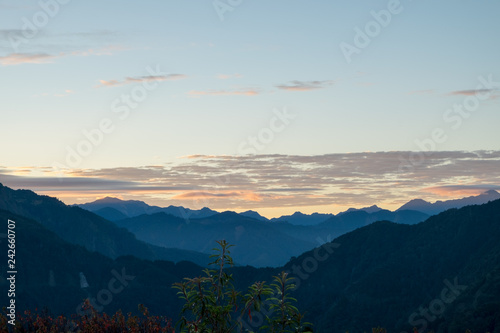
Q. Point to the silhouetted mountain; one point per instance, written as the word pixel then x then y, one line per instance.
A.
pixel 349 221
pixel 387 274
pixel 371 209
pixel 440 206
pixel 110 214
pixel 50 272
pixel 259 243
pixel 254 215
pixel 79 226
pixel 132 208
pixel 299 218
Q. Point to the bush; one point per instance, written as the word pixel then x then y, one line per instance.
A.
pixel 212 304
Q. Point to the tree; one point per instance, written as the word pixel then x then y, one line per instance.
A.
pixel 212 304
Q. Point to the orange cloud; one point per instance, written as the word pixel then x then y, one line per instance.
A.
pixel 228 76
pixel 201 195
pixel 471 92
pixel 150 78
pixel 455 191
pixel 26 58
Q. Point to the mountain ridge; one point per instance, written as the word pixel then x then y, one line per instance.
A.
pixel 298 218
pixel 82 227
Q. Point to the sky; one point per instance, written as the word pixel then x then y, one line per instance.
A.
pixel 275 106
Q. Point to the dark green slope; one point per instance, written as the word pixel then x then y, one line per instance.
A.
pixel 381 274
pixel 79 226
pixel 49 275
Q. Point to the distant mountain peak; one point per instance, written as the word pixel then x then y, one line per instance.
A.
pixel 491 192
pixel 371 209
pixel 298 214
pixel 440 206
pixel 108 200
pixel 253 214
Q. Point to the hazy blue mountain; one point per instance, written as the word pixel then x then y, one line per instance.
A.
pixel 79 226
pixel 440 206
pixel 359 218
pixel 254 215
pixel 110 214
pixel 299 218
pixel 340 224
pixel 132 208
pixel 371 209
pixel 388 274
pixel 49 270
pixel 258 243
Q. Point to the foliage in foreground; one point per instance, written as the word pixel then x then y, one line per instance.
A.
pixel 91 321
pixel 212 304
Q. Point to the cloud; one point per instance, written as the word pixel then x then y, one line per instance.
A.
pixel 82 184
pixel 102 51
pixel 472 92
pixel 243 92
pixel 461 190
pixel 228 76
pixel 199 195
pixel 284 181
pixel 26 58
pixel 45 58
pixel 482 93
pixel 305 85
pixel 140 79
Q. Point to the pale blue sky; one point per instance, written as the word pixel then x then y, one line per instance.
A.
pixel 395 91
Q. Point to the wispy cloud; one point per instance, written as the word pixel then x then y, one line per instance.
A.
pixel 234 195
pixel 460 190
pixel 45 58
pixel 228 76
pixel 140 79
pixel 473 92
pixel 305 85
pixel 243 92
pixel 26 58
pixel 285 181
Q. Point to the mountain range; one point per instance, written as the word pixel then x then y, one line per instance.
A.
pixel 81 227
pixel 262 242
pixel 440 206
pixel 115 209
